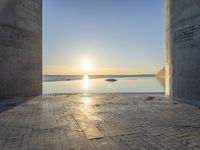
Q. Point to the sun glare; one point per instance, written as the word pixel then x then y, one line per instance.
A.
pixel 85 65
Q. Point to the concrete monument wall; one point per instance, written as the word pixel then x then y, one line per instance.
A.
pixel 183 50
pixel 20 48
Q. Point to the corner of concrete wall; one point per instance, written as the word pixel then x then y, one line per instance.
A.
pixel 168 65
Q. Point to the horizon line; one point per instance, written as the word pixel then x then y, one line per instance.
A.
pixel 99 74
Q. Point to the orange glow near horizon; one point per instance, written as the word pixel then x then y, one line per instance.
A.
pixel 91 70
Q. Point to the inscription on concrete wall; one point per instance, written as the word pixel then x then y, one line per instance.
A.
pixel 185 37
pixel 16 37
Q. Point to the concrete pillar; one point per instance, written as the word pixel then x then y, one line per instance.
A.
pixel 20 48
pixel 183 50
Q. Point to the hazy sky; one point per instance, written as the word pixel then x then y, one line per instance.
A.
pixel 116 36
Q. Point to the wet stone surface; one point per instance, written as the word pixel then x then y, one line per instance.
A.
pixel 98 121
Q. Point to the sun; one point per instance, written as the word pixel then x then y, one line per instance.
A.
pixel 85 65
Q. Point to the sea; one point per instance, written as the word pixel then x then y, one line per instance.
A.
pixel 102 84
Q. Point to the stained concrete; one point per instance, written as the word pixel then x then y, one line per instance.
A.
pixel 183 50
pixel 20 47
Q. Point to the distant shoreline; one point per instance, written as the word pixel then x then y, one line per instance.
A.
pixel 51 78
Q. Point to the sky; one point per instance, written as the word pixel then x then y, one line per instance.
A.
pixel 114 36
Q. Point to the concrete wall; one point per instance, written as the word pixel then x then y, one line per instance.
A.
pixel 20 48
pixel 183 50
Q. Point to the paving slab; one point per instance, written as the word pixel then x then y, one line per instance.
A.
pixel 98 121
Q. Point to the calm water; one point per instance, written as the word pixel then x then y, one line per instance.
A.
pixel 99 85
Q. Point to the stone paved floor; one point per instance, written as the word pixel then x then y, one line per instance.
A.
pixel 98 121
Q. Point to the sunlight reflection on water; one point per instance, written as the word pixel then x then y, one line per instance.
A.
pixel 87 85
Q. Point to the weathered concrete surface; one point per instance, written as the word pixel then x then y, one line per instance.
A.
pixel 20 47
pixel 168 91
pixel 99 121
pixel 183 50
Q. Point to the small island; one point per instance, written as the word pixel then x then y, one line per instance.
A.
pixel 111 80
pixel 68 79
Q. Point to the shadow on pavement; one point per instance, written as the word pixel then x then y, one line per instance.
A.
pixel 9 103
